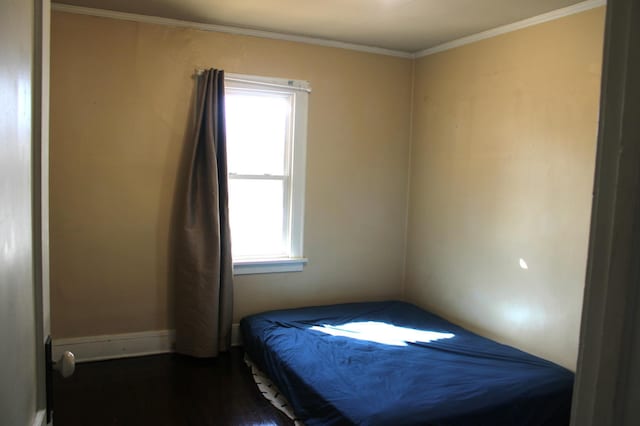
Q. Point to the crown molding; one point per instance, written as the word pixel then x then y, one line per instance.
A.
pixel 545 17
pixel 103 13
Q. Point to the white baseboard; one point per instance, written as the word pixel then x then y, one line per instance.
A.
pixel 113 346
pixel 236 337
pixel 95 348
pixel 41 418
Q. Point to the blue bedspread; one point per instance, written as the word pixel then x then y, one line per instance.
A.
pixel 391 363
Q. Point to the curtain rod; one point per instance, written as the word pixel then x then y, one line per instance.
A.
pixel 199 72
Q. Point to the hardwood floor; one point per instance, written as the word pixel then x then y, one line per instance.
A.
pixel 170 390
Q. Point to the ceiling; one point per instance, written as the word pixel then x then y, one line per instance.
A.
pixel 403 25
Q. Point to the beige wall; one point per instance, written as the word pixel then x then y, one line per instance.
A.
pixel 502 162
pixel 121 93
pixel 502 159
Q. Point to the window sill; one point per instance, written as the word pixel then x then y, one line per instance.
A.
pixel 268 266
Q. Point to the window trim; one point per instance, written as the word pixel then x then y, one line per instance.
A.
pixel 299 90
pixel 267 266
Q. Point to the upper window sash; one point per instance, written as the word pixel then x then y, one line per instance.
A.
pixel 263 147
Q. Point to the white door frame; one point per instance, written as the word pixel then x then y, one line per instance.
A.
pixel 40 191
pixel 23 238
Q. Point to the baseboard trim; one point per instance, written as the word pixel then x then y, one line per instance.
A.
pixel 111 346
pixel 236 337
pixel 41 418
pixel 126 345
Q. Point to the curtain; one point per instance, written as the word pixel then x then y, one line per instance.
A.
pixel 204 279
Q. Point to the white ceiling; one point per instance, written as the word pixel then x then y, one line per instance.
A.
pixel 404 25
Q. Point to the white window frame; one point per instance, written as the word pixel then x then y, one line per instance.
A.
pixel 296 161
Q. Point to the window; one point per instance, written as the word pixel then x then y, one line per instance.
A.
pixel 266 122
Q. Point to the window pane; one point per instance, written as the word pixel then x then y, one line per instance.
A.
pixel 257 215
pixel 257 127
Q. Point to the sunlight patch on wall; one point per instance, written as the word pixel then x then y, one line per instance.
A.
pixel 523 264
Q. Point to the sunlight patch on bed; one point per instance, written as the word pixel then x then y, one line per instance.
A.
pixel 382 332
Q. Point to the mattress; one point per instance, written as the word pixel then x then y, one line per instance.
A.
pixel 392 363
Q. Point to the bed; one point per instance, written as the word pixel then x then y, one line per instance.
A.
pixel 392 363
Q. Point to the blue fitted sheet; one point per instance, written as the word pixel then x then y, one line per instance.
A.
pixel 454 378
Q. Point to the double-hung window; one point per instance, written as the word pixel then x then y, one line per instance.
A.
pixel 266 123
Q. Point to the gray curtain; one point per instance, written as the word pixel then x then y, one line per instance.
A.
pixel 204 279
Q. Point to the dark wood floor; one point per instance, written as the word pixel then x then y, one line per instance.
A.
pixel 163 390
